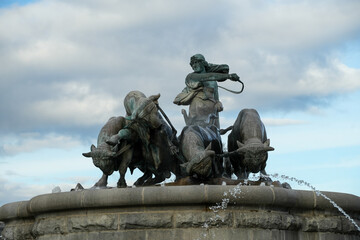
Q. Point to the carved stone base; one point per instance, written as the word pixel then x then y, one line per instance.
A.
pixel 182 212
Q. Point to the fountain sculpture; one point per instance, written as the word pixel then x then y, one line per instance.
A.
pixel 204 202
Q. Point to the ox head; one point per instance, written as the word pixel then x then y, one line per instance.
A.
pixel 140 107
pixel 149 111
pixel 102 158
pixel 254 155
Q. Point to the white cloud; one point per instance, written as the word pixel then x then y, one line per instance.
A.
pixel 76 105
pixel 107 42
pixel 291 25
pixel 11 191
pixel 70 64
pixel 23 143
pixel 282 121
pixel 336 78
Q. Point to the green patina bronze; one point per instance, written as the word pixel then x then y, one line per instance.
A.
pixel 145 138
pixel 201 92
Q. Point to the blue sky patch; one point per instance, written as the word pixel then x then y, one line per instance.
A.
pixel 7 3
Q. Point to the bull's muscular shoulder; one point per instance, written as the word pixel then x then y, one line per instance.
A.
pixel 112 126
pixel 247 125
pixel 115 122
pixel 250 111
pixel 245 114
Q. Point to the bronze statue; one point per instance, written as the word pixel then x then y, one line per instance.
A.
pixel 249 143
pixel 104 158
pixel 199 145
pixel 145 138
pixel 200 140
pixel 201 91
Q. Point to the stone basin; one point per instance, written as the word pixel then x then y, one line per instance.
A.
pixel 182 212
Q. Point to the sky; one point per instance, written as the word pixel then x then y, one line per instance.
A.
pixel 66 66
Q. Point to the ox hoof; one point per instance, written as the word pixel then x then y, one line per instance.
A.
pixel 153 181
pixel 266 179
pixel 139 183
pixel 98 187
pixel 286 185
pixel 121 184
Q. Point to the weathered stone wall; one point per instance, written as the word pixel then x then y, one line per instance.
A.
pixel 182 213
pixel 2 225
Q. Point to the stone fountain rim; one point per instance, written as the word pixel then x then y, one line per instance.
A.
pixel 176 195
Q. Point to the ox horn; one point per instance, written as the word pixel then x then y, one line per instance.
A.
pixel 241 147
pixel 269 149
pixel 89 154
pixel 236 152
pixel 267 146
pixel 154 98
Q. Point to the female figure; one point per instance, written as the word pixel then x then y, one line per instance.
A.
pixel 201 91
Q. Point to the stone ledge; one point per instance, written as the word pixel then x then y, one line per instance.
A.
pixel 15 210
pixel 181 213
pixel 176 195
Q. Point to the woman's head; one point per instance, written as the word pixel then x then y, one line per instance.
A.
pixel 198 63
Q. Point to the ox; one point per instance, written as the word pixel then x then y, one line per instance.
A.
pixel 199 146
pixel 104 158
pixel 143 141
pixel 249 144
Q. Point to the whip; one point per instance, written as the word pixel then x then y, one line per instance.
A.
pixel 232 91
